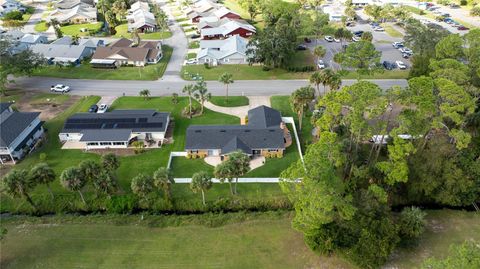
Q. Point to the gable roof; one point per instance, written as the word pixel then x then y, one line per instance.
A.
pixel 228 138
pixel 32 39
pixel 219 49
pixel 66 52
pixel 12 124
pixel 67 4
pixel 90 42
pixel 81 9
pixel 66 40
pixel 4 106
pixel 264 117
pixel 122 42
pixel 227 28
pixel 223 11
pixel 144 50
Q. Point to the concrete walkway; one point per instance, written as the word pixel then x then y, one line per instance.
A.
pixel 241 111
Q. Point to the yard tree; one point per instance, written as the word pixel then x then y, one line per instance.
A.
pixel 362 56
pixel 239 164
pixel 317 78
pixel 142 185
pixel 145 94
pixel 450 47
pixel 275 45
pixel 350 12
pixel 396 168
pixel 41 173
pixel 90 169
pixel 320 25
pixel 17 183
pixel 373 11
pixel 450 69
pixel 110 162
pixel 367 36
pixel 422 39
pixel 14 15
pixel 342 34
pixel 72 179
pixel 201 182
pixel 275 10
pixel 319 51
pixel 334 81
pixel 227 79
pixel 472 54
pixel 465 255
pixel 412 223
pixel 299 100
pixel 251 6
pixel 163 179
pixel 119 8
pixel 161 18
pixel 103 6
pixel 20 64
pixel 224 172
pixel 202 94
pixel 105 182
pixel 190 91
pixel 111 21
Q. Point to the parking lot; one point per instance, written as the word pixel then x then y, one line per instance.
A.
pixel 381 40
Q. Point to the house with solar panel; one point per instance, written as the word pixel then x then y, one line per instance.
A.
pixel 115 129
pixel 265 133
pixel 19 133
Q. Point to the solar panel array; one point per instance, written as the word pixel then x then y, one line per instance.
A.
pixel 105 123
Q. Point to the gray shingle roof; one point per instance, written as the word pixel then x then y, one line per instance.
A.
pixel 133 120
pixel 12 124
pixel 113 135
pixel 258 134
pixel 4 106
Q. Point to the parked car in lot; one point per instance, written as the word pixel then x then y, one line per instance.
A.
pixel 191 61
pixel 195 36
pixel 328 38
pixel 401 65
pixel 463 28
pixel 406 50
pixel 301 47
pixel 355 38
pixel 102 108
pixel 60 88
pixel 397 45
pixel 389 65
pixel 405 55
pixel 378 29
pixel 337 40
pixel 320 64
pixel 93 109
pixel 358 33
pixel 350 24
pixel 307 40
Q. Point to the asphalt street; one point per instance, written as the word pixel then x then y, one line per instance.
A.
pixel 167 87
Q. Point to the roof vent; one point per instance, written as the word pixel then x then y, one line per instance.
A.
pixel 271 130
pixel 198 131
pixel 223 131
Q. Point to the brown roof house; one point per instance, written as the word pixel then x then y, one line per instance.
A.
pixel 126 52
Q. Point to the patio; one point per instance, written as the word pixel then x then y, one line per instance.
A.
pixel 256 162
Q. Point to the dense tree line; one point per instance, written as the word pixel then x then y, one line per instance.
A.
pixel 377 149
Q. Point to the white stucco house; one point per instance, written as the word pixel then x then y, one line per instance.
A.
pixel 232 50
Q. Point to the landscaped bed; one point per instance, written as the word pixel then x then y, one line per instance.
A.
pixel 122 31
pixel 85 71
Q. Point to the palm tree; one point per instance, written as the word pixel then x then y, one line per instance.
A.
pixel 326 78
pixel 111 21
pixel 102 5
pixel 56 26
pixel 201 182
pixel 89 169
pixel 343 34
pixel 319 51
pixel 145 94
pixel 105 182
pixel 367 36
pixel 223 172
pixel 226 78
pixel 317 78
pixel 43 174
pixel 18 184
pixel 334 82
pixel 163 179
pixel 72 179
pixel 75 39
pixel 299 100
pixel 110 162
pixel 202 94
pixel 142 185
pixel 161 19
pixel 239 164
pixel 189 90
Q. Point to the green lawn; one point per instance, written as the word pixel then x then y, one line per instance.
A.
pixel 234 6
pixel 122 31
pixel 49 99
pixel 239 240
pixel 191 55
pixel 247 72
pixel 391 31
pixel 41 26
pixel 74 29
pixel 194 45
pixel 232 101
pixel 85 71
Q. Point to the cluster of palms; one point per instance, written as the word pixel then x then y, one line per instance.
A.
pixel 198 91
pixel 114 11
pixel 237 165
pixel 100 174
pixel 19 183
pixel 144 185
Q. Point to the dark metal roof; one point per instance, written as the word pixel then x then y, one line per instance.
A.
pixel 4 106
pixel 259 134
pixel 133 120
pixel 111 135
pixel 264 117
pixel 12 125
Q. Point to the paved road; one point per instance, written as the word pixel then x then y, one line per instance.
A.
pixel 167 87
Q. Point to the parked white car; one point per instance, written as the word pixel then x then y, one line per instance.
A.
pixel 400 65
pixel 102 108
pixel 60 88
pixel 406 51
pixel 397 45
pixel 321 64
pixel 378 29
pixel 329 38
pixel 337 40
pixel 355 38
pixel 191 61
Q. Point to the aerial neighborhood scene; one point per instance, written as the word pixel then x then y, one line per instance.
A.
pixel 335 134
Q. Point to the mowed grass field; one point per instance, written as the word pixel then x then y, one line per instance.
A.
pixel 260 240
